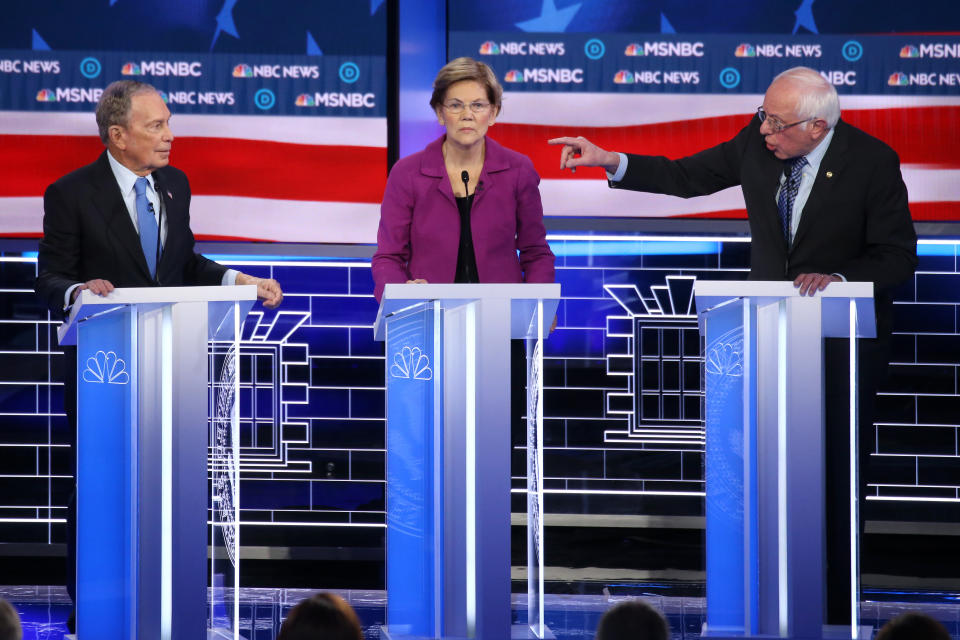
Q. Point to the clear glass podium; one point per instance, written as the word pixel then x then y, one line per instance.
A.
pixel 145 357
pixel 763 378
pixel 448 456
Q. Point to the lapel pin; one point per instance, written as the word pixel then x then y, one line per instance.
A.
pixel 829 174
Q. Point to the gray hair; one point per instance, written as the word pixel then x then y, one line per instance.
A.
pixel 9 622
pixel 818 98
pixel 113 108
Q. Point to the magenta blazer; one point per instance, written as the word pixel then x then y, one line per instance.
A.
pixel 419 234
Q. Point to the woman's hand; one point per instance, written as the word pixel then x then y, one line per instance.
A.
pixel 417 281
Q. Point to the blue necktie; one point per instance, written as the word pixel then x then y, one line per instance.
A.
pixel 148 226
pixel 788 193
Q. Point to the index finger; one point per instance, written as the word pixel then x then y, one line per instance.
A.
pixel 564 140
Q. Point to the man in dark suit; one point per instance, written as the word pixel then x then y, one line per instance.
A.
pixel 826 202
pixel 123 221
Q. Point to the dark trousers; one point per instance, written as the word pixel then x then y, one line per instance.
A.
pixel 874 358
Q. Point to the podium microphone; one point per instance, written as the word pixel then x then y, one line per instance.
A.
pixel 466 182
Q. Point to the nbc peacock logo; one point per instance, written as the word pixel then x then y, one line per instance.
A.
pixel 163 96
pixel 305 100
pixel 898 79
pixel 745 51
pixel 633 49
pixel 489 48
pixel 242 71
pixel 46 95
pixel 513 76
pixel 623 77
pixel 909 51
pixel 131 69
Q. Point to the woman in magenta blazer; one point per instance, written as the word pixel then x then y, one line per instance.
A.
pixel 465 209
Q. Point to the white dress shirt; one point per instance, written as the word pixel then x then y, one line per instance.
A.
pixel 126 179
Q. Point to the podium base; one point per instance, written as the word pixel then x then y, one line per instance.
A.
pixel 517 632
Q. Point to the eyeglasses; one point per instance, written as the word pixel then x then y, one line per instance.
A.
pixel 775 124
pixel 456 107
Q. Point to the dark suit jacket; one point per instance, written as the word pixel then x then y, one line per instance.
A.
pixel 88 233
pixel 856 221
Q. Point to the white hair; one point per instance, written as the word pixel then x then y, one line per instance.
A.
pixel 817 99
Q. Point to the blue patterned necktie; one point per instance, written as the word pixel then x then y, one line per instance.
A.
pixel 148 226
pixel 788 192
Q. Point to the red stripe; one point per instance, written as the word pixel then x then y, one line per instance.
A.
pixel 920 211
pixel 935 211
pixel 215 166
pixel 926 136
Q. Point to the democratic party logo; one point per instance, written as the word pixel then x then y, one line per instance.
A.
pixel 623 77
pixel 305 100
pixel 242 71
pixel 349 72
pixel 131 69
pixel 264 99
pixel 898 79
pixel 594 48
pixel 513 76
pixel 745 51
pixel 489 48
pixel 729 78
pixel 46 95
pixel 852 50
pixel 90 67
pixel 633 49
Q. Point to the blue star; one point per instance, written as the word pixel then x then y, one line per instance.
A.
pixel 225 22
pixel 805 19
pixel 550 19
pixel 39 44
pixel 312 48
pixel 665 26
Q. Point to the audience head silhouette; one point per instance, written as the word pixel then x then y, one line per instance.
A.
pixel 913 626
pixel 9 622
pixel 633 620
pixel 324 616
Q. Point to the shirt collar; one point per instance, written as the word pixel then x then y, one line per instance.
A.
pixel 816 156
pixel 125 178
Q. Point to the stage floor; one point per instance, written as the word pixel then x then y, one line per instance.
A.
pixel 44 610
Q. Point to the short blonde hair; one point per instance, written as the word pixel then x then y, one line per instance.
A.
pixel 462 69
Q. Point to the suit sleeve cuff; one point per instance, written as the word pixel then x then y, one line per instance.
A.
pixel 621 169
pixel 66 296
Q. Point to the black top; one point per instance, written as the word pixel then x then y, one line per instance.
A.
pixel 466 258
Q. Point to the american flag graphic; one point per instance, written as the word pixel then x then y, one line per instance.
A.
pixel 321 179
pixel 271 178
pixel 923 130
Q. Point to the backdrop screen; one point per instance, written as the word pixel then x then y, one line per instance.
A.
pixel 676 76
pixel 279 108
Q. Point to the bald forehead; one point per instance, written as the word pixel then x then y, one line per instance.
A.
pixel 781 98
